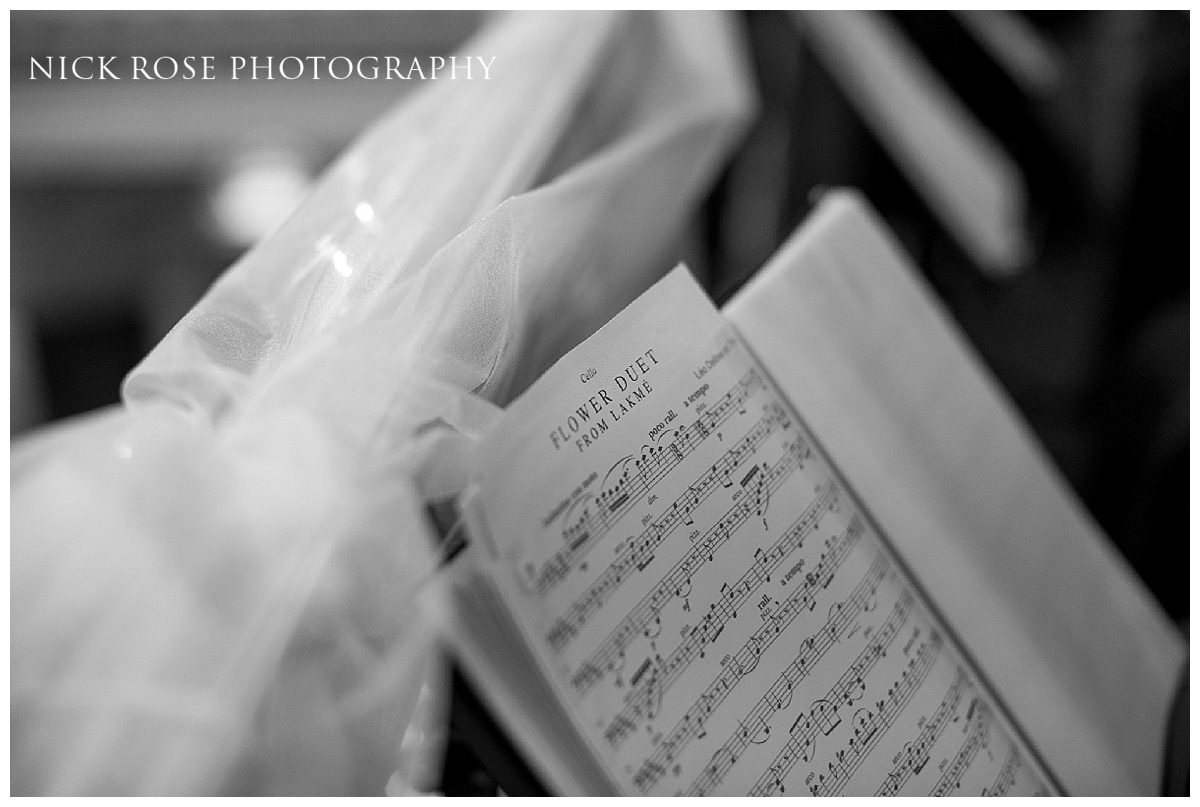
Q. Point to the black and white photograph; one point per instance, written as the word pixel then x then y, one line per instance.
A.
pixel 599 403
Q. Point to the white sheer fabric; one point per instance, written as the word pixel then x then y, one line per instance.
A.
pixel 212 586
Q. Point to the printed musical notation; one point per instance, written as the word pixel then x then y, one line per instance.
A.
pixel 800 601
pixel 825 714
pixel 978 719
pixel 1007 778
pixel 636 554
pixel 873 726
pixel 779 694
pixel 678 579
pixel 916 753
pixel 651 464
pixel 723 617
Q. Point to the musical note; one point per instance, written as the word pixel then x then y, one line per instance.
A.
pixel 1008 773
pixel 626 489
pixel 846 761
pixel 680 575
pixel 803 732
pixel 693 643
pixel 916 751
pixel 977 729
pixel 640 549
pixel 746 659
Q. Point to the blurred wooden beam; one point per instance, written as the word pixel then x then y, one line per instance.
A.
pixel 968 181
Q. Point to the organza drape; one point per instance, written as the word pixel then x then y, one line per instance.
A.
pixel 212 586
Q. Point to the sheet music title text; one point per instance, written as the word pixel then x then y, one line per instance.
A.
pixel 260 68
pixel 583 426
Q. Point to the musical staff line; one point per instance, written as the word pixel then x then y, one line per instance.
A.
pixel 685 593
pixel 824 714
pixel 779 695
pixel 1008 774
pixel 916 752
pixel 800 600
pixel 655 463
pixel 638 553
pixel 847 760
pixel 979 717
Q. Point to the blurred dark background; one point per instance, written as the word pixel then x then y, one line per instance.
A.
pixel 1090 337
pixel 127 200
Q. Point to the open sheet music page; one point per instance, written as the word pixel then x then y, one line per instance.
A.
pixel 712 605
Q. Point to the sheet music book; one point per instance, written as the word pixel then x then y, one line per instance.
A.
pixel 706 558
